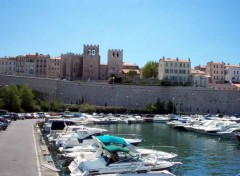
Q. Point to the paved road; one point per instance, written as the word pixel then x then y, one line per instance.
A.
pixel 17 150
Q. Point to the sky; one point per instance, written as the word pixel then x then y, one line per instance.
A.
pixel 146 30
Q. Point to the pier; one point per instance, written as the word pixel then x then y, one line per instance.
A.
pixel 23 153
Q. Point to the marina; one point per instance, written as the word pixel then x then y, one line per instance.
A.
pixel 173 150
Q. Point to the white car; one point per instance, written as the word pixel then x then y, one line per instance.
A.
pixel 35 115
pixel 43 115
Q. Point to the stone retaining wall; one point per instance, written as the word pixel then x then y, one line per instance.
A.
pixel 186 99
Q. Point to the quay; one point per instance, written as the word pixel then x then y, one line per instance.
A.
pixel 23 151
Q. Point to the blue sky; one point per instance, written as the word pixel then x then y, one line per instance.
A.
pixel 203 30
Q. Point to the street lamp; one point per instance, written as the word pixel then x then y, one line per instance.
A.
pixel 113 78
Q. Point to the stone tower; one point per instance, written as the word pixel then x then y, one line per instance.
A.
pixel 91 62
pixel 115 62
pixel 71 66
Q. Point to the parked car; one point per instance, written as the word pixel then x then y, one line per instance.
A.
pixel 3 126
pixel 3 112
pixel 13 116
pixel 28 116
pixel 21 116
pixel 43 115
pixel 35 115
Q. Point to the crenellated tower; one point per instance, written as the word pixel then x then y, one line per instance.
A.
pixel 115 61
pixel 91 62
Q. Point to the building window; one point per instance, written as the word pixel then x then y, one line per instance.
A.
pixel 166 71
pixel 93 52
pixel 166 64
pixel 89 52
pixel 171 64
pixel 117 54
pixel 175 64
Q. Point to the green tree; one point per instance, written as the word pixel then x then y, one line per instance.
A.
pixel 159 106
pixel 150 70
pixel 11 98
pixel 132 74
pixel 27 99
pixel 170 107
pixel 56 106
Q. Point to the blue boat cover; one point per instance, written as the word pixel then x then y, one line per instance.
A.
pixel 107 140
pixel 114 148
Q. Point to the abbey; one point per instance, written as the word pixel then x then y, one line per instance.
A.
pixel 87 66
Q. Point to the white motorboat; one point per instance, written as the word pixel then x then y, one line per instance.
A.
pixel 142 152
pixel 82 136
pixel 160 119
pixel 116 159
pixel 230 133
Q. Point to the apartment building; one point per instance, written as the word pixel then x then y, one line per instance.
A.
pixel 7 65
pixel 232 73
pixel 175 70
pixel 200 78
pixel 54 68
pixel 216 71
pixel 20 65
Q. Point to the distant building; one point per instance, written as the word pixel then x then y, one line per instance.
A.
pixel 20 65
pixel 175 70
pixel 71 66
pixel 216 71
pixel 91 62
pixel 232 73
pixel 7 65
pixel 115 62
pixel 54 68
pixel 127 67
pixel 200 78
pixel 201 68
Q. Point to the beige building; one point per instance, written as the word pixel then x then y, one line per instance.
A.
pixel 54 68
pixel 216 71
pixel 200 78
pixel 20 65
pixel 115 62
pixel 30 65
pixel 175 70
pixel 127 67
pixel 7 65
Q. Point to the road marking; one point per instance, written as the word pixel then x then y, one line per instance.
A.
pixel 36 152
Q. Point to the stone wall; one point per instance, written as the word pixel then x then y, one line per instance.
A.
pixel 186 99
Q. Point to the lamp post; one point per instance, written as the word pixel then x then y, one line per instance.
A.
pixel 113 78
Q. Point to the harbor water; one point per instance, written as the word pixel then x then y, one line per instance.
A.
pixel 200 154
